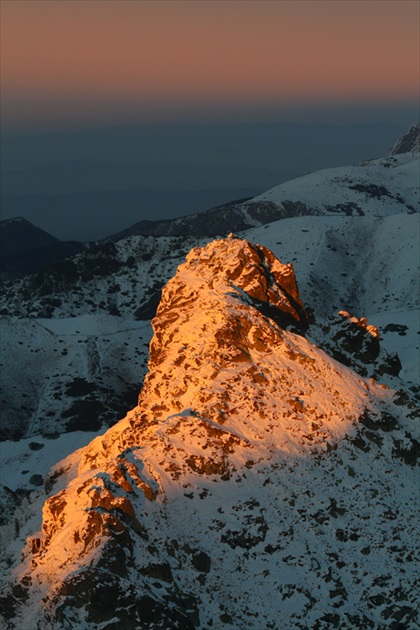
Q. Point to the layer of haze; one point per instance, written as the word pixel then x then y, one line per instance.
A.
pixel 73 62
pixel 114 111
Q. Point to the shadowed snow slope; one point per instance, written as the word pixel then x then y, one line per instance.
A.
pixel 378 187
pixel 258 483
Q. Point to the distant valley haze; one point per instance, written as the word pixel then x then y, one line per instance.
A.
pixel 116 112
pixel 89 184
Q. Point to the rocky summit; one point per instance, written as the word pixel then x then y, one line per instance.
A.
pixel 259 483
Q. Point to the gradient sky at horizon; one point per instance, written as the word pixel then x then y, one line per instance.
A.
pixel 68 62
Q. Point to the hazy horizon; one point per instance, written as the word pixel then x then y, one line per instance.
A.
pixel 206 96
pixel 88 63
pixel 91 183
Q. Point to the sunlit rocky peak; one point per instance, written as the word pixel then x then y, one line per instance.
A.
pixel 238 493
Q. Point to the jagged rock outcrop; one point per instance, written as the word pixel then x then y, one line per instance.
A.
pixel 240 491
pixel 408 143
pixel 355 343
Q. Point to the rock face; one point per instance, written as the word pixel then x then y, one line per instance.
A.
pixel 410 142
pixel 355 343
pixel 256 485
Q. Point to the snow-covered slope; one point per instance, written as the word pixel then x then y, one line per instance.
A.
pixel 69 374
pixel 375 188
pixel 364 264
pixel 258 483
pixel 74 338
pixel 112 278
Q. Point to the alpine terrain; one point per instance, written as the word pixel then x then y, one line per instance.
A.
pixel 266 476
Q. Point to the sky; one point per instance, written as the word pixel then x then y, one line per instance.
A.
pixel 114 111
pixel 72 63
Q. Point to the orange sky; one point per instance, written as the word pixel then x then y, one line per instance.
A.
pixel 98 58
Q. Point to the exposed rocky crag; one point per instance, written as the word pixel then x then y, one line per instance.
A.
pixel 409 142
pixel 356 343
pixel 257 484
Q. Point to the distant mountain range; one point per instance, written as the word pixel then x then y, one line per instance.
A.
pixel 18 234
pixel 88 185
pixel 342 190
pixel 358 190
pixel 25 248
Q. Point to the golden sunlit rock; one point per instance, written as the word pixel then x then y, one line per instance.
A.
pixel 191 477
